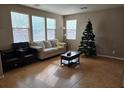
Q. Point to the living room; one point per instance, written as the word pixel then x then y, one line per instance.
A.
pixel 103 70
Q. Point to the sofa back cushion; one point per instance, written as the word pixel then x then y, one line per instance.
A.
pixel 41 44
pixel 47 44
pixel 38 43
pixel 33 44
pixel 53 43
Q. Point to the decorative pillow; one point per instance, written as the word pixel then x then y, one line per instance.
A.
pixel 47 44
pixel 33 44
pixel 53 43
pixel 39 43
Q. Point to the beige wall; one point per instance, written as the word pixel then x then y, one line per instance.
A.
pixel 6 37
pixel 108 26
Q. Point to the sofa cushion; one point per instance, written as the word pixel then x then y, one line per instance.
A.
pixel 33 44
pixel 37 47
pixel 42 44
pixel 38 43
pixel 53 43
pixel 50 49
pixel 47 44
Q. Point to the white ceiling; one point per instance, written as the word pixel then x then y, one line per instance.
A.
pixel 67 9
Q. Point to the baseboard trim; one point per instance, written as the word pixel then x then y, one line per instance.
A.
pixel 1 77
pixel 111 57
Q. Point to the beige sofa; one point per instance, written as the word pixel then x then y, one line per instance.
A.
pixel 49 48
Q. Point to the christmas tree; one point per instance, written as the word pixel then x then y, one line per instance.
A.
pixel 87 44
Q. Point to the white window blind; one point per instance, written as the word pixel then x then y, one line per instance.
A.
pixel 51 29
pixel 71 29
pixel 20 26
pixel 38 27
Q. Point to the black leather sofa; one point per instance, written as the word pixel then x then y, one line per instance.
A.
pixel 20 54
pixel 27 54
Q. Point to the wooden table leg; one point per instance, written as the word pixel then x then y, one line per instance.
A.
pixel 79 59
pixel 61 61
pixel 68 63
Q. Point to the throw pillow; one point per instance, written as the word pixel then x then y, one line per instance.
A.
pixel 47 44
pixel 53 43
pixel 33 44
pixel 42 44
pixel 39 43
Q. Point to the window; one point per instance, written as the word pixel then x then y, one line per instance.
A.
pixel 71 29
pixel 20 26
pixel 51 27
pixel 38 27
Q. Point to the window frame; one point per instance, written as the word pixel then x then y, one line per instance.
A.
pixel 71 29
pixel 28 28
